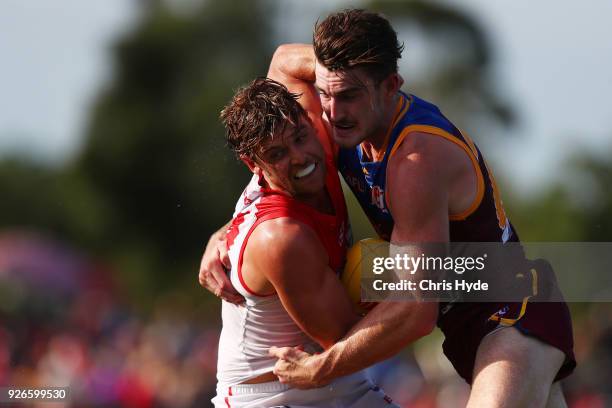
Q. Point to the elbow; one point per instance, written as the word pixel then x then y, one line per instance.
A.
pixel 426 328
pixel 282 53
pixel 282 49
pixel 295 61
pixel 332 334
pixel 328 338
pixel 325 343
pixel 280 62
pixel 411 320
pixel 422 320
pixel 428 317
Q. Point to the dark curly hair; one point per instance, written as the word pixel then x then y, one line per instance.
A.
pixel 257 113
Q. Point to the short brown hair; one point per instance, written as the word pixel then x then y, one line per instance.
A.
pixel 257 113
pixel 357 38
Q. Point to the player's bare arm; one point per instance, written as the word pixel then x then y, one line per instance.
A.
pixel 439 175
pixel 286 257
pixel 421 180
pixel 293 65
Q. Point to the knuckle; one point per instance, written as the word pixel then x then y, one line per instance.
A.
pixel 207 273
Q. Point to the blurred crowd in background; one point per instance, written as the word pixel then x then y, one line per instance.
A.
pixel 65 323
pixel 99 254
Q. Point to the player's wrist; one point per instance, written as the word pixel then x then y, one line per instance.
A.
pixel 322 369
pixel 220 234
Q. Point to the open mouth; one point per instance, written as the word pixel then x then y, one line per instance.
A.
pixel 306 171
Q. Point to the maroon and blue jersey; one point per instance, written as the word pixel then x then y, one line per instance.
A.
pixel 463 324
pixel 484 221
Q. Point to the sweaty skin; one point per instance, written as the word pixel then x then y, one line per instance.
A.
pixel 286 257
pixel 390 326
pixel 427 179
pixel 510 369
pixel 271 254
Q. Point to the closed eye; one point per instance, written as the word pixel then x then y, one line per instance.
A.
pixel 348 95
pixel 300 137
pixel 274 155
pixel 321 92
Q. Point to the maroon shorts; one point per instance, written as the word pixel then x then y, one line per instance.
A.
pixel 465 325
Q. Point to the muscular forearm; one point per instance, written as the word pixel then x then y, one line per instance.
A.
pixel 387 329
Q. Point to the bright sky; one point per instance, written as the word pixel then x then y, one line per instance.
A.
pixel 553 58
pixel 53 59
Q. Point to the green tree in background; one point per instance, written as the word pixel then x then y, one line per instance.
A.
pixel 458 74
pixel 155 147
pixel 578 210
pixel 153 178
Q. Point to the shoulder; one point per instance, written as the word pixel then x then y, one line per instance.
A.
pixel 284 249
pixel 426 154
pixel 283 238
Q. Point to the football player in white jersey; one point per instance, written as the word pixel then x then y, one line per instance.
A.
pixel 286 243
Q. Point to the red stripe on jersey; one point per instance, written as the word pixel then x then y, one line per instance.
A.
pixel 333 230
pixel 269 216
pixel 229 393
pixel 234 229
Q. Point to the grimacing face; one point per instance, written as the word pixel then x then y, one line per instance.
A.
pixel 354 104
pixel 293 162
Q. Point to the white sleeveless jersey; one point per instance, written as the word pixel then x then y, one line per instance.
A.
pixel 250 330
pixel 262 322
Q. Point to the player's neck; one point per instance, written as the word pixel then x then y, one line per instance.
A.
pixel 320 201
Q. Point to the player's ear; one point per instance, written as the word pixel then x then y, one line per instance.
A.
pixel 251 164
pixel 392 83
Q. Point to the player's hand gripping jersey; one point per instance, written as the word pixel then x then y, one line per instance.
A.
pixel 250 330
